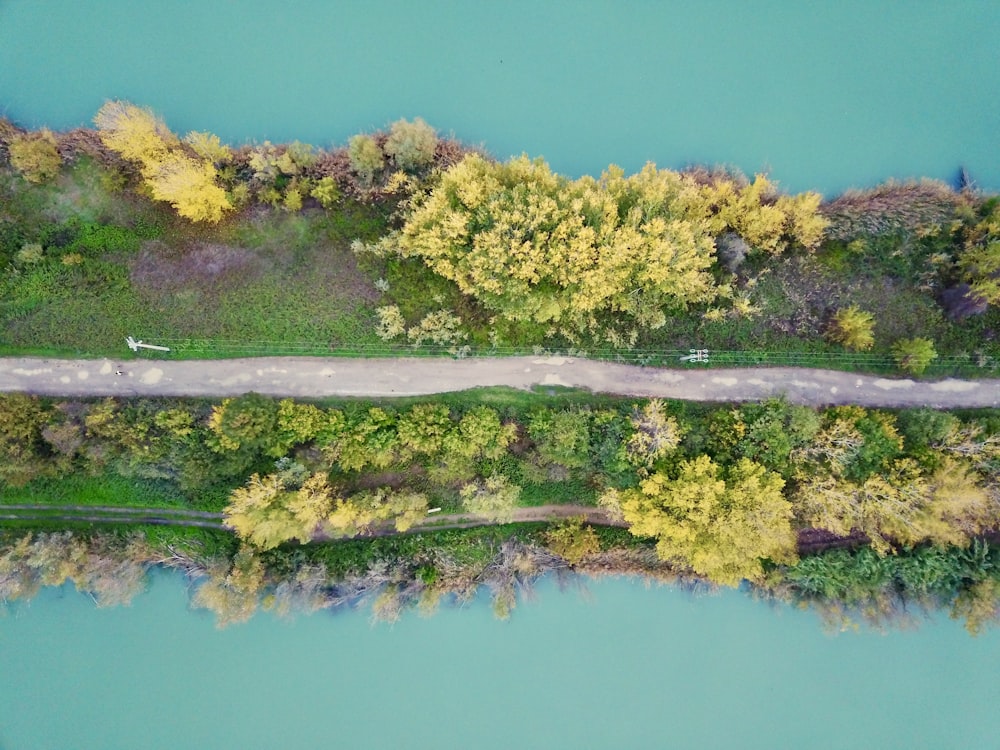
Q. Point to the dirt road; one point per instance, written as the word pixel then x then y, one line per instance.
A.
pixel 309 377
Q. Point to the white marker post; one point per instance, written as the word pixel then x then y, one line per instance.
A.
pixel 136 345
pixel 696 355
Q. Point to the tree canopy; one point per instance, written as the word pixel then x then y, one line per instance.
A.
pixel 721 524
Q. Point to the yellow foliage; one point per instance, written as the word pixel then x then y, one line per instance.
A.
pixel 721 526
pixel 188 184
pixel 208 146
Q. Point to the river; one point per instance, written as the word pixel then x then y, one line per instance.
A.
pixel 824 95
pixel 614 665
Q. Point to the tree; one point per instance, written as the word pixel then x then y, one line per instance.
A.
pixel 534 246
pixel 34 155
pixel 189 186
pixel 366 157
pixel 423 428
pixel 901 505
pixel 561 436
pixel 572 540
pixel 246 423
pixel 22 419
pixel 494 498
pixel 853 328
pixel 914 355
pixel 209 147
pixel 411 144
pixel 171 174
pixel 979 260
pixel 266 513
pixel 654 436
pixel 232 588
pixel 134 132
pixel 357 514
pixel 721 524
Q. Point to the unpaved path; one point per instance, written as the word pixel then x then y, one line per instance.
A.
pixel 311 377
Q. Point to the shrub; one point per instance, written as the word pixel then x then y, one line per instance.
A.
pixel 326 192
pixel 34 155
pixel 441 328
pixel 853 328
pixel 208 147
pixel 29 254
pixel 411 144
pixel 390 323
pixel 913 355
pixel 366 157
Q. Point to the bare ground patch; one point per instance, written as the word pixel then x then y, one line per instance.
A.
pixel 163 268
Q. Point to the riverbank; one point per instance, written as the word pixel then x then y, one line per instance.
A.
pixel 303 261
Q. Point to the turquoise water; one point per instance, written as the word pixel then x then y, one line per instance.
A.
pixel 825 95
pixel 618 667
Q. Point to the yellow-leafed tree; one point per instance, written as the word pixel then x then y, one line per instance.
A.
pixel 721 524
pixel 188 183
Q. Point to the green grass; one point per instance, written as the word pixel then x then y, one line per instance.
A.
pixel 83 489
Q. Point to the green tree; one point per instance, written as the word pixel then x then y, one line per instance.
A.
pixel 720 523
pixel 562 436
pixel 852 328
pixel 411 144
pixel 246 423
pixel 366 157
pixel 914 355
pixel 494 498
pixel 34 155
pixel 572 540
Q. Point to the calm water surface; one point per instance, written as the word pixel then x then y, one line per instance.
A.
pixel 825 95
pixel 621 667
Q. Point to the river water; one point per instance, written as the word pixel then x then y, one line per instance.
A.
pixel 824 95
pixel 615 665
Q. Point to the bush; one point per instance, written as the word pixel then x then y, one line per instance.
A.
pixel 366 157
pixel 34 155
pixel 853 328
pixel 411 144
pixel 913 355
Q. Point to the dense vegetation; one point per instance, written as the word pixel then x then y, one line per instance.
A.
pixel 716 493
pixel 407 238
pixel 404 237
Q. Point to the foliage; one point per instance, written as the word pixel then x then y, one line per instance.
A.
pixel 34 155
pixel 655 435
pixel 979 260
pixel 852 328
pixel 366 157
pixel 530 245
pixel 391 323
pixel 267 513
pixel 209 147
pixel 914 355
pixel 720 523
pixel 494 498
pixel 440 327
pixel 561 436
pixel 188 184
pixel 410 144
pixel 572 540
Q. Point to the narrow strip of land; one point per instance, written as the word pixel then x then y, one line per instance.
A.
pixel 313 377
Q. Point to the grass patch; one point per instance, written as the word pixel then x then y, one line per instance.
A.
pixel 105 489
